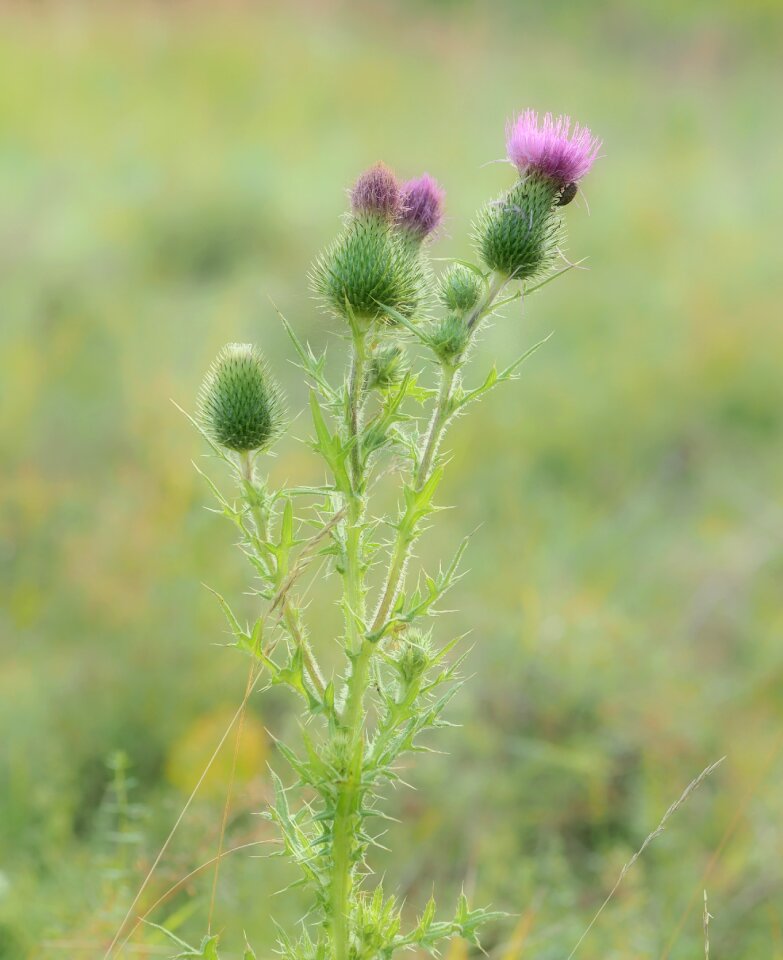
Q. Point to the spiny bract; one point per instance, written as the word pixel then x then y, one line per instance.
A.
pixel 518 234
pixel 460 288
pixel 240 405
pixel 368 268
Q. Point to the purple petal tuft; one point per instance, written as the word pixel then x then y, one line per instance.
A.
pixel 422 205
pixel 377 191
pixel 552 148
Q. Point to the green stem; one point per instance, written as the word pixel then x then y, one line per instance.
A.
pixel 345 842
pixel 438 423
pixel 355 404
pixel 345 827
pixel 440 417
pixel 405 533
pixel 262 534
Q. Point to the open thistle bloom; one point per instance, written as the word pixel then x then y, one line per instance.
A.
pixel 553 148
pixel 240 406
pixel 422 206
pixel 377 191
pixel 520 234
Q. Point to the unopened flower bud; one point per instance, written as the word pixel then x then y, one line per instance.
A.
pixel 377 191
pixel 240 406
pixel 386 367
pixel 370 267
pixel 460 288
pixel 449 338
pixel 337 753
pixel 422 206
pixel 414 656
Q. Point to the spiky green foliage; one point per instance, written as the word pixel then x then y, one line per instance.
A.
pixel 240 405
pixel 519 233
pixel 368 268
pixel 398 677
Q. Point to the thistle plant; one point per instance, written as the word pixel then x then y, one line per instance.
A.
pixel 378 285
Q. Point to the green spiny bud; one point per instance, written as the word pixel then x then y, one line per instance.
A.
pixel 460 288
pixel 337 753
pixel 240 406
pixel 414 656
pixel 518 234
pixel 386 367
pixel 449 338
pixel 369 267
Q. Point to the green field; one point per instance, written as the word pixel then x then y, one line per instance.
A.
pixel 166 173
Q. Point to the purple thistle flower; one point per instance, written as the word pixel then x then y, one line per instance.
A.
pixel 422 205
pixel 553 149
pixel 377 191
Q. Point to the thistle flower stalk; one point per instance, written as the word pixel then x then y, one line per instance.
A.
pixel 375 279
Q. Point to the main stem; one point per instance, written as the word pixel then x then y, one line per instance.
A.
pixel 359 650
pixel 345 842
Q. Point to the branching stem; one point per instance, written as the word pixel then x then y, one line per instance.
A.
pixel 289 616
pixel 441 416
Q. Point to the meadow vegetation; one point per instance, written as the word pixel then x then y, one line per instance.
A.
pixel 164 177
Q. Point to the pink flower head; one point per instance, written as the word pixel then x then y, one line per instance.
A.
pixel 422 205
pixel 377 191
pixel 553 148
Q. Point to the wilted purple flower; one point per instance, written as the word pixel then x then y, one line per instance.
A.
pixel 553 149
pixel 377 191
pixel 422 205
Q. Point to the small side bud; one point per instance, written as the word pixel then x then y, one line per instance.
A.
pixel 460 289
pixel 387 367
pixel 449 338
pixel 413 657
pixel 239 405
pixel 337 753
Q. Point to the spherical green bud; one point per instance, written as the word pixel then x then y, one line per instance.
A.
pixel 518 234
pixel 239 405
pixel 386 367
pixel 449 338
pixel 460 288
pixel 368 268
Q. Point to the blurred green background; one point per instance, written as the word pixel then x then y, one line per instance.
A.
pixel 166 171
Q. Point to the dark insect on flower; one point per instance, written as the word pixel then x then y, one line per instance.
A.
pixel 567 194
